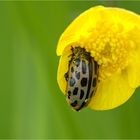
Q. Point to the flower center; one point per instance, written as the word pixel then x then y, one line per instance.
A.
pixel 109 48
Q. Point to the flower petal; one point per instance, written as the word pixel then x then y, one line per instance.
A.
pixel 133 70
pixel 112 92
pixel 91 27
pixel 63 68
pixel 93 17
pixel 78 27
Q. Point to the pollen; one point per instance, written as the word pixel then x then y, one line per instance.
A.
pixel 109 48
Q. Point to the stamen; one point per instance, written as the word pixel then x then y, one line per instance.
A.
pixel 109 49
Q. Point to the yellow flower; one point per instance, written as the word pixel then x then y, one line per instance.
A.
pixel 112 36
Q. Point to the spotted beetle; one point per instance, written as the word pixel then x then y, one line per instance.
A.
pixel 81 78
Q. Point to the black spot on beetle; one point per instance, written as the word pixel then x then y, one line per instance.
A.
pixel 72 81
pixel 83 67
pixel 84 82
pixel 77 62
pixel 77 74
pixel 66 76
pixel 81 94
pixel 75 91
pixel 74 103
pixel 72 69
pixel 96 67
pixel 94 82
pixel 69 94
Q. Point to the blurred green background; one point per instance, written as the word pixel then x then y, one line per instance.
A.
pixel 31 103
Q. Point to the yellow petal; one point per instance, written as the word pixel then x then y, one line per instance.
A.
pixel 78 27
pixel 112 92
pixel 63 68
pixel 124 21
pixel 133 70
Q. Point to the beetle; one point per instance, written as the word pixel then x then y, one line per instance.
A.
pixel 82 77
